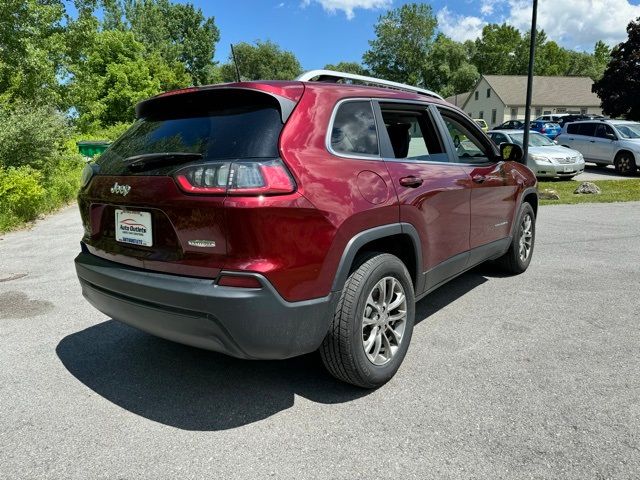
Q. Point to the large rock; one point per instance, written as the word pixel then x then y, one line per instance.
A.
pixel 588 188
pixel 548 194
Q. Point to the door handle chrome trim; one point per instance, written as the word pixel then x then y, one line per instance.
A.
pixel 411 181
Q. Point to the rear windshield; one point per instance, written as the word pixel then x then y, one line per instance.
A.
pixel 219 126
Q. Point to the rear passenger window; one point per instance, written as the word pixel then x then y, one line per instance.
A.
pixel 573 128
pixel 411 133
pixel 588 129
pixel 354 129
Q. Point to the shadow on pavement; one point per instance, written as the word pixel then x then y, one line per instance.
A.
pixel 195 389
pixel 454 289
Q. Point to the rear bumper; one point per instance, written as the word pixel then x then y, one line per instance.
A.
pixel 254 323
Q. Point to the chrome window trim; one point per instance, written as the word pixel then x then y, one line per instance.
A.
pixel 361 156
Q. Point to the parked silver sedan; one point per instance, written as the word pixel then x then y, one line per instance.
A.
pixel 546 158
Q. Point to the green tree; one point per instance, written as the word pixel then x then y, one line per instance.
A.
pixel 448 69
pixel 261 61
pixel 31 135
pixel 496 49
pixel 347 67
pixel 601 57
pixel 115 73
pixel 403 39
pixel 177 32
pixel 31 46
pixel 619 86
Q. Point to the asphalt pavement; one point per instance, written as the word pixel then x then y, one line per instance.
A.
pixel 592 172
pixel 534 376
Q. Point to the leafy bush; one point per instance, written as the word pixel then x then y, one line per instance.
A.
pixel 107 133
pixel 63 182
pixel 31 136
pixel 22 197
pixel 40 166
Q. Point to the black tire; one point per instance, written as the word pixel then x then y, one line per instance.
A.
pixel 625 163
pixel 343 349
pixel 512 262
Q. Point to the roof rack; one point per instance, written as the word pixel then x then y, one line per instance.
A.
pixel 332 76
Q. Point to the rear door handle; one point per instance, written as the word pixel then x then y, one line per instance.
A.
pixel 592 141
pixel 411 181
pixel 478 178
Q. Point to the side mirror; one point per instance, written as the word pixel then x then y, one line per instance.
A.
pixel 611 136
pixel 511 152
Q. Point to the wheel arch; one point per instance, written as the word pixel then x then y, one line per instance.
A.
pixel 625 150
pixel 399 239
pixel 530 196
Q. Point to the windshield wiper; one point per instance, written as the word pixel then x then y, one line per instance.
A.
pixel 145 161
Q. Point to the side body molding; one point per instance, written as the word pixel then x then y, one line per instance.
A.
pixel 376 233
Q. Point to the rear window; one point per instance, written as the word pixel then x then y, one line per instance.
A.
pixel 219 125
pixel 354 129
pixel 587 129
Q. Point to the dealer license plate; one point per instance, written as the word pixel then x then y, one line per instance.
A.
pixel 134 227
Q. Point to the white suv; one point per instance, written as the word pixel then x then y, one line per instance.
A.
pixel 557 117
pixel 605 142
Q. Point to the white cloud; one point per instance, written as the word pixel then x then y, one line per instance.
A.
pixel 280 5
pixel 348 6
pixel 488 6
pixel 459 27
pixel 577 23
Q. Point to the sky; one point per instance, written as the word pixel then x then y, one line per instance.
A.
pixel 327 31
pixel 319 32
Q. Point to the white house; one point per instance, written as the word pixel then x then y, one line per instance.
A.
pixel 498 98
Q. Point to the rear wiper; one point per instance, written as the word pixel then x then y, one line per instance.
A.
pixel 138 163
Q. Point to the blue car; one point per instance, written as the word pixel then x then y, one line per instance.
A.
pixel 549 129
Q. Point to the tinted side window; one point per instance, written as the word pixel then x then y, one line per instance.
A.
pixel 469 147
pixel 412 133
pixel 498 138
pixel 354 129
pixel 588 129
pixel 573 128
pixel 603 130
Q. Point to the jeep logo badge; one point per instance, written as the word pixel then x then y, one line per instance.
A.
pixel 120 189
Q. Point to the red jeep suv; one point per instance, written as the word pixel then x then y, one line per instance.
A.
pixel 271 219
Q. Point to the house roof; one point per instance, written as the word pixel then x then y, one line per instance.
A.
pixel 547 91
pixel 459 99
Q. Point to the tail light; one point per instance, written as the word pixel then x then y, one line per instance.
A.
pixel 543 130
pixel 268 177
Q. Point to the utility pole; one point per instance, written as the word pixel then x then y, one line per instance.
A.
pixel 532 54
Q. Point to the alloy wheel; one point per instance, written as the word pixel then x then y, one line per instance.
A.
pixel 384 320
pixel 526 237
pixel 625 164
